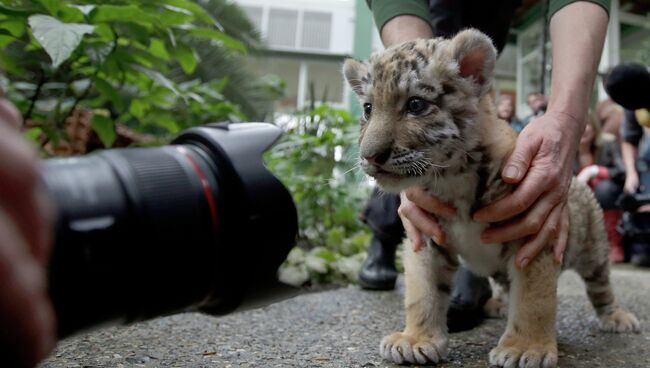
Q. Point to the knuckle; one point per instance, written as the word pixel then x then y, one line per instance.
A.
pixel 520 204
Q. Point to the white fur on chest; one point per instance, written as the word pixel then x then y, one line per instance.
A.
pixel 463 234
pixel 465 238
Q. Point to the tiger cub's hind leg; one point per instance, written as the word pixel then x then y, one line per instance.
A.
pixel 428 277
pixel 497 305
pixel 613 317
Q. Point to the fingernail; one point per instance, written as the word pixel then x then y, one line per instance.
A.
pixel 524 263
pixel 512 172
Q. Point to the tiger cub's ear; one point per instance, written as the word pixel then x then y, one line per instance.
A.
pixel 357 73
pixel 476 57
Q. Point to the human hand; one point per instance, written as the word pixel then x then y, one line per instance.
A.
pixel 418 211
pixel 26 316
pixel 631 182
pixel 541 164
pixel 587 174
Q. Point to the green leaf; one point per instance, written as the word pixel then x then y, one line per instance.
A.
pixel 138 108
pixel 52 6
pixel 6 40
pixel 196 9
pixel 16 27
pixel 107 91
pixel 220 37
pixel 13 12
pixel 105 129
pixel 58 39
pixel 167 123
pixel 157 48
pixel 122 13
pixel 158 78
pixel 173 16
pixel 85 9
pixel 187 57
pixel 33 134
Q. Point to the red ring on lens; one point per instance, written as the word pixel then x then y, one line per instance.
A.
pixel 205 184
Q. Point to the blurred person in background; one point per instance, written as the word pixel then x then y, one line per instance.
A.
pixel 600 165
pixel 506 111
pixel 629 85
pixel 537 103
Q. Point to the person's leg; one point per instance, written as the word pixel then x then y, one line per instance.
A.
pixel 378 271
pixel 607 193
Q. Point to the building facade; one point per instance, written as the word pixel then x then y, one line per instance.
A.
pixel 307 41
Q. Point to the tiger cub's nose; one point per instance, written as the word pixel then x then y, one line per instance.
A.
pixel 379 158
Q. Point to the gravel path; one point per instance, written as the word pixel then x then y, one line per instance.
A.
pixel 342 328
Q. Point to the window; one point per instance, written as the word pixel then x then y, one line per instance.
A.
pixel 316 30
pixel 282 27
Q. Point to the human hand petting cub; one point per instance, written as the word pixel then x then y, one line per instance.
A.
pixel 536 210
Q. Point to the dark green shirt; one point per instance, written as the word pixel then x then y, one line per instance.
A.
pixel 385 10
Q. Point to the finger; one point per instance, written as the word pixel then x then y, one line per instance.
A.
pixel 430 203
pixel 423 221
pixel 414 235
pixel 516 202
pixel 9 115
pixel 20 193
pixel 563 236
pixel 19 165
pixel 529 224
pixel 33 215
pixel 26 315
pixel 549 231
pixel 520 159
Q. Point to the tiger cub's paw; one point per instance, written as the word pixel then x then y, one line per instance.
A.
pixel 401 348
pixel 620 321
pixel 495 308
pixel 516 352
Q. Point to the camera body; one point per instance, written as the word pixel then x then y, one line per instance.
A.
pixel 148 231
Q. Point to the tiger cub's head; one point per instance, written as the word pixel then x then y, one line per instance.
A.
pixel 420 100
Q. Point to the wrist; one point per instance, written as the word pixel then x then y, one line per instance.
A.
pixel 404 28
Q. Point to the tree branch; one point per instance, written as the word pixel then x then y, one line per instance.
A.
pixel 34 98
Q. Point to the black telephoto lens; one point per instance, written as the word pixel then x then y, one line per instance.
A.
pixel 143 232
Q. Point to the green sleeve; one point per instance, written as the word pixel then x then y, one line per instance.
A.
pixel 556 5
pixel 385 10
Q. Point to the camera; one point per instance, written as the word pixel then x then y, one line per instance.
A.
pixel 142 232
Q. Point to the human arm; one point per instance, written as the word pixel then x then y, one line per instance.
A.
pixel 629 152
pixel 541 161
pixel 26 316
pixel 631 134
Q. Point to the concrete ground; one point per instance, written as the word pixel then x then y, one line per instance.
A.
pixel 342 328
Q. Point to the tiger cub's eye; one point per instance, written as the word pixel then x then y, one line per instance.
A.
pixel 416 106
pixel 367 110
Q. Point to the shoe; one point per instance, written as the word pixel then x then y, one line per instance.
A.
pixel 640 255
pixel 378 270
pixel 469 295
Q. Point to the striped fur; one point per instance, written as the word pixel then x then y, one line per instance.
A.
pixel 455 148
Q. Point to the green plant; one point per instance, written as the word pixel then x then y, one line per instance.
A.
pixel 317 161
pixel 114 58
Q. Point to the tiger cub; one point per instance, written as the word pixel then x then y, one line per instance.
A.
pixel 429 121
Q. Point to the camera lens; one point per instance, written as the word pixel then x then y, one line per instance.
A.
pixel 148 231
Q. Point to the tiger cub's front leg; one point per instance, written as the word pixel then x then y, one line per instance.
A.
pixel 428 276
pixel 529 340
